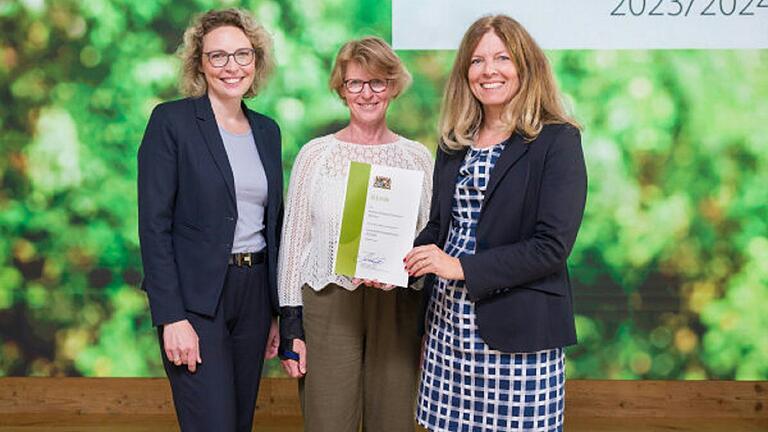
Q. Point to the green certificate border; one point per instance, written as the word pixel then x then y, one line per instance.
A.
pixel 355 201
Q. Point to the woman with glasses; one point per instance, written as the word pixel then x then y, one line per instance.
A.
pixel 510 189
pixel 355 347
pixel 210 209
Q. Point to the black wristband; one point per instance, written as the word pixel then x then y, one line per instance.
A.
pixel 285 351
pixel 291 327
pixel 291 323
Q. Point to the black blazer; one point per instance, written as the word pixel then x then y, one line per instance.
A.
pixel 532 210
pixel 187 207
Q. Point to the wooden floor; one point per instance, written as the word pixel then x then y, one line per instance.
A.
pixel 144 405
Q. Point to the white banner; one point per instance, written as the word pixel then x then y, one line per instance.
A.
pixel 590 24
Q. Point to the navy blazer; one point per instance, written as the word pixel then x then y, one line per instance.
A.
pixel 533 206
pixel 187 207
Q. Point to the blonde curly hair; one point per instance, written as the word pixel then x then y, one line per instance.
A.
pixel 193 82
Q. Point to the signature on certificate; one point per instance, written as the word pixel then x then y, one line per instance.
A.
pixel 370 260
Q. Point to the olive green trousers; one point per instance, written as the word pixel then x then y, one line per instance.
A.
pixel 362 359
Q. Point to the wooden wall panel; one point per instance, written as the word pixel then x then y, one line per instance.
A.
pixel 130 404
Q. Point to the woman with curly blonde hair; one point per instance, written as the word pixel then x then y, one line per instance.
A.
pixel 210 210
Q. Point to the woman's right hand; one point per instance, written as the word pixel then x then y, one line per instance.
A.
pixel 181 344
pixel 373 283
pixel 296 368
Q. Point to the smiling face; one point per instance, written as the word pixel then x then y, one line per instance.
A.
pixel 233 80
pixel 367 106
pixel 492 74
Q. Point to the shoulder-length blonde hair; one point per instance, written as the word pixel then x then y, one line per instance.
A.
pixel 375 57
pixel 536 103
pixel 193 82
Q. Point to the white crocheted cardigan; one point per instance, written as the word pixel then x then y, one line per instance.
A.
pixel 314 207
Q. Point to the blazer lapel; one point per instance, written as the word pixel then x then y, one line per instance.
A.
pixel 271 169
pixel 448 182
pixel 207 123
pixel 513 151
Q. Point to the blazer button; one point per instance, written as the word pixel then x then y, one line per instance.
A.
pixel 230 218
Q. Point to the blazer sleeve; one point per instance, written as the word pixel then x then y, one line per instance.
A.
pixel 157 185
pixel 562 196
pixel 431 232
pixel 281 208
pixel 276 134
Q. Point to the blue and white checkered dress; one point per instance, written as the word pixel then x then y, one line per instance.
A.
pixel 465 384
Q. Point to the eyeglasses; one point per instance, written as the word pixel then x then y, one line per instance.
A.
pixel 376 85
pixel 243 57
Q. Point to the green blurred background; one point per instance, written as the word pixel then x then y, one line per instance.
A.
pixel 670 273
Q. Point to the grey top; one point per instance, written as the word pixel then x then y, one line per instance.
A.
pixel 250 190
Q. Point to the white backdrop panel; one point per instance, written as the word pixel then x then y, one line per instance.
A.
pixel 590 24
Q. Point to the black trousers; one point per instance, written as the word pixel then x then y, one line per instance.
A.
pixel 221 395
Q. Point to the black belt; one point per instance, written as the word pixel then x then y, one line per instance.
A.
pixel 247 258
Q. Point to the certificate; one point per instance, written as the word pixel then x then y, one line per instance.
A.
pixel 381 208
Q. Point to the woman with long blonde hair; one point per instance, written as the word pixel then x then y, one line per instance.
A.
pixel 508 199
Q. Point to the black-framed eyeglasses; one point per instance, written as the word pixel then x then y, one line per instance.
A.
pixel 242 56
pixel 376 85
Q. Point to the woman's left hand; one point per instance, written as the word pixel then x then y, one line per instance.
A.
pixel 431 259
pixel 273 340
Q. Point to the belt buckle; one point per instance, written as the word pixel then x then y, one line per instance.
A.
pixel 246 259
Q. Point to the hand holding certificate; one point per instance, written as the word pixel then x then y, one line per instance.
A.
pixel 378 226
